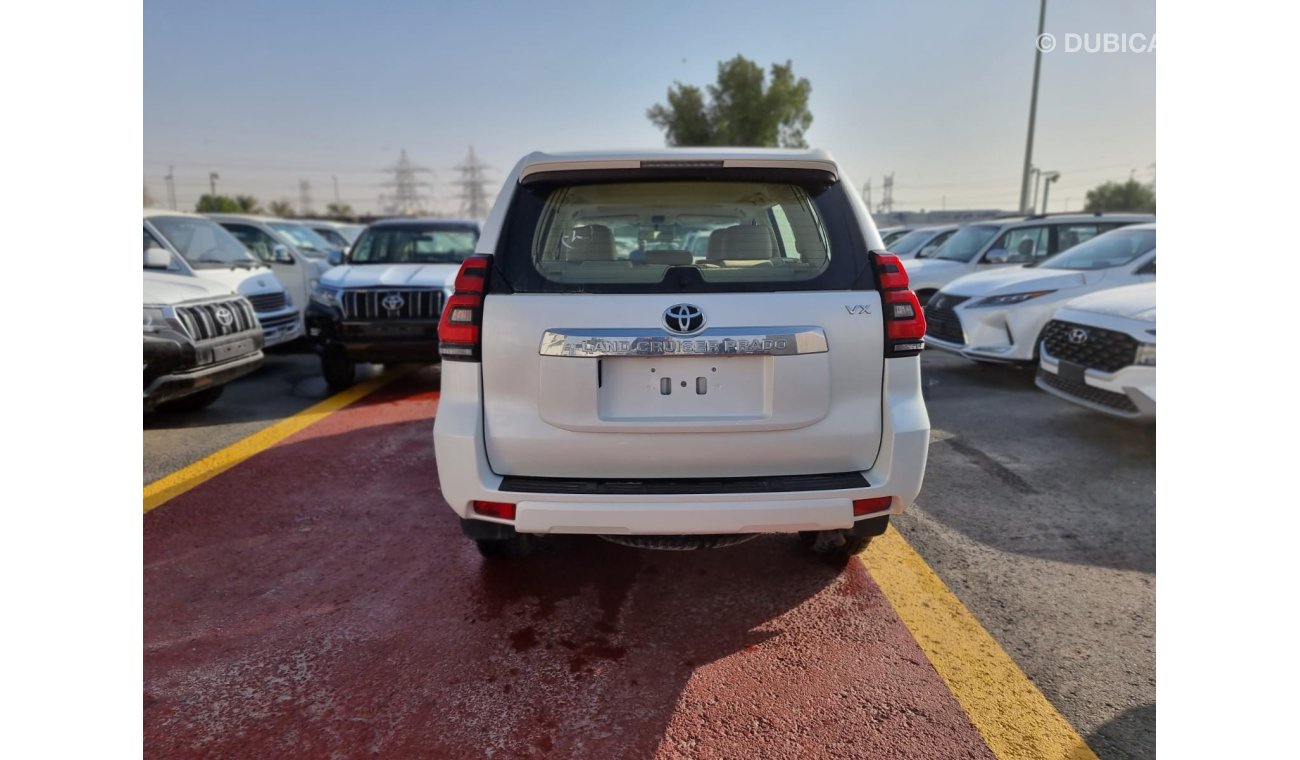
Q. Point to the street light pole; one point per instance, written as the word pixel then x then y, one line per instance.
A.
pixel 1048 179
pixel 1033 108
pixel 212 182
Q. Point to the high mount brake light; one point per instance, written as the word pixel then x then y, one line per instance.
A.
pixel 460 329
pixel 904 319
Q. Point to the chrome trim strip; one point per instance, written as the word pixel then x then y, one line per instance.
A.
pixel 740 341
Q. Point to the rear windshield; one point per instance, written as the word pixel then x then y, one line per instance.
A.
pixel 414 245
pixel 684 235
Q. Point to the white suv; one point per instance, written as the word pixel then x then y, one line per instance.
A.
pixel 597 378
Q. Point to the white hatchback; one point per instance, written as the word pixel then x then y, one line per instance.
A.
pixel 999 316
pixel 598 378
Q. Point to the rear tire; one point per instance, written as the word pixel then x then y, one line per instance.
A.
pixel 340 372
pixel 520 545
pixel 193 402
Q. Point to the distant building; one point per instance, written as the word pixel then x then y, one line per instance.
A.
pixel 920 218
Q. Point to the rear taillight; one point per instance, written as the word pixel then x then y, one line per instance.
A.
pixel 904 319
pixel 460 330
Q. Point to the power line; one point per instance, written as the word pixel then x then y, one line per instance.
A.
pixel 406 199
pixel 473 187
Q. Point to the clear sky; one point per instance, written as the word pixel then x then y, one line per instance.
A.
pixel 270 93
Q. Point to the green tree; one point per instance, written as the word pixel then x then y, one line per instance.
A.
pixel 1130 196
pixel 742 108
pixel 216 204
pixel 281 207
pixel 248 204
pixel 339 209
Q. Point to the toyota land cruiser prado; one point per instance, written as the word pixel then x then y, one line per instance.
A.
pixel 597 378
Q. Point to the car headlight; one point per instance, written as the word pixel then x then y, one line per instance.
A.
pixel 154 319
pixel 1010 298
pixel 1146 355
pixel 326 296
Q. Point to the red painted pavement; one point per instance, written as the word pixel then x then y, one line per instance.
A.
pixel 319 600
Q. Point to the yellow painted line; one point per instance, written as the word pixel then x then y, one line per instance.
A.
pixel 1008 710
pixel 177 483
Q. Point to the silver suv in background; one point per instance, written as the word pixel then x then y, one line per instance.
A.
pixel 666 401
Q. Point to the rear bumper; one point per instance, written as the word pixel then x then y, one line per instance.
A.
pixel 465 476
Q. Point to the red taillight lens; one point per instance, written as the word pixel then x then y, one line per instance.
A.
pixel 904 319
pixel 890 272
pixel 868 506
pixel 472 277
pixel 460 329
pixel 498 509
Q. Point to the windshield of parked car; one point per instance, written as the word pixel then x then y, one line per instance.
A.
pixel 414 244
pixel 303 238
pixel 966 242
pixel 1113 249
pixel 204 243
pixel 910 242
pixel 332 236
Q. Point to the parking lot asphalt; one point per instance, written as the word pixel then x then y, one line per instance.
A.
pixel 317 597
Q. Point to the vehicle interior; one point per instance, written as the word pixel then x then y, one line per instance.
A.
pixel 633 232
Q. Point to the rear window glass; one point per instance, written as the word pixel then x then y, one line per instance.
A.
pixel 414 245
pixel 634 232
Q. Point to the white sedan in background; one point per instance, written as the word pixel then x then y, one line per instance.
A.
pixel 999 316
pixel 1099 351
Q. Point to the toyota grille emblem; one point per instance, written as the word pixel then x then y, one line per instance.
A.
pixel 393 301
pixel 684 318
pixel 225 317
pixel 1078 336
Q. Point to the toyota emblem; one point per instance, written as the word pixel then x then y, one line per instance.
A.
pixel 393 301
pixel 684 318
pixel 1078 336
pixel 225 317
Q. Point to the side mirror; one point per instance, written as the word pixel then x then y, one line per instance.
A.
pixel 157 258
pixel 280 254
pixel 335 257
pixel 996 256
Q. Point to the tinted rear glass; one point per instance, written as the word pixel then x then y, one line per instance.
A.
pixel 687 235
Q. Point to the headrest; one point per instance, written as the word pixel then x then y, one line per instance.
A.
pixel 715 244
pixel 589 242
pixel 744 242
pixel 669 258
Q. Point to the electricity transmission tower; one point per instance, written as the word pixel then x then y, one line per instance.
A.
pixel 170 179
pixel 473 187
pixel 887 202
pixel 406 199
pixel 304 198
pixel 866 193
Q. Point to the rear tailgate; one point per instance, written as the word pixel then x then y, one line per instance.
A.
pixel 682 322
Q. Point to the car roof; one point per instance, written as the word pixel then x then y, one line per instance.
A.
pixel 431 221
pixel 152 212
pixel 633 159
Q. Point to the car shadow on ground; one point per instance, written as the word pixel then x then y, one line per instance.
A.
pixel 326 601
